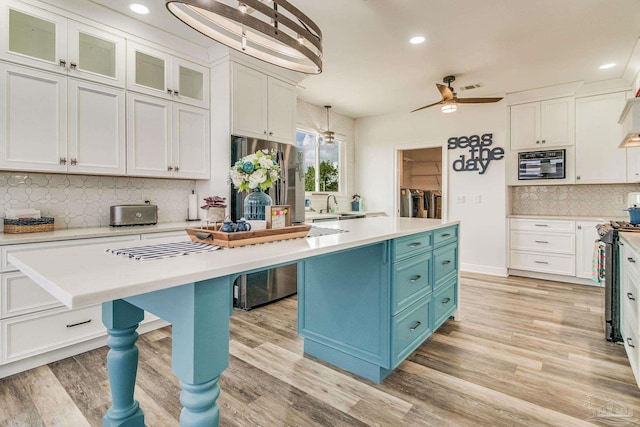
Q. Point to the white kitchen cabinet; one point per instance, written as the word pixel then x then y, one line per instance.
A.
pixel 97 143
pixel 166 139
pixel 33 119
pixel 598 135
pixel 586 235
pixel 35 328
pixel 542 125
pixel 59 124
pixel 47 41
pixel 633 164
pixel 262 106
pixel 157 73
pixel 629 305
pixel 541 245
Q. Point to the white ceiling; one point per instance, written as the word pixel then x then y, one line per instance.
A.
pixel 507 45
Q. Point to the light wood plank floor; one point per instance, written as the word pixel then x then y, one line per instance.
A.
pixel 526 353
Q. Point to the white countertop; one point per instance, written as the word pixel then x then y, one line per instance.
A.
pixel 572 218
pixel 311 215
pixel 632 238
pixel 91 232
pixel 87 275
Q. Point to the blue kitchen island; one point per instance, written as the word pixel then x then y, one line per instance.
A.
pixel 368 297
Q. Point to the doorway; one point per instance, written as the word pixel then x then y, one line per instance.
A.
pixel 420 179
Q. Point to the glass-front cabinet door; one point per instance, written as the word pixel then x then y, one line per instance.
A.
pixel 96 55
pixel 157 73
pixel 191 83
pixel 33 37
pixel 50 42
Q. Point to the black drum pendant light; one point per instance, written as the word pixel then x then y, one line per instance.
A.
pixel 273 31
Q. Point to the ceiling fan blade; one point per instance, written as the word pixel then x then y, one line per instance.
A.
pixel 426 106
pixel 445 92
pixel 476 100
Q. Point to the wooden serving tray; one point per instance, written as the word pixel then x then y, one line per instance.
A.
pixel 212 236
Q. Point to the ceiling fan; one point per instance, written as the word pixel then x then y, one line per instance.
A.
pixel 449 99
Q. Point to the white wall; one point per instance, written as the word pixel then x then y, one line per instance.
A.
pixel 483 224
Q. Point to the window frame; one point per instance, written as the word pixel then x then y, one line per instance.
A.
pixel 342 170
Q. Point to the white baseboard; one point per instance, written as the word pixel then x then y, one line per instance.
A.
pixel 483 269
pixel 554 277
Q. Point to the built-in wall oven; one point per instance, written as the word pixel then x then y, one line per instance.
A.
pixel 550 164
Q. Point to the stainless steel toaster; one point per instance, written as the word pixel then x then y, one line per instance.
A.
pixel 120 215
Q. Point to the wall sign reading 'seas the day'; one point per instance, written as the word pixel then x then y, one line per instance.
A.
pixel 479 155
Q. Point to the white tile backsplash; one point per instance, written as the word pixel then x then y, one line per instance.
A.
pixel 606 200
pixel 84 201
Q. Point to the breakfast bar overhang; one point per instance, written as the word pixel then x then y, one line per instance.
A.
pixel 368 296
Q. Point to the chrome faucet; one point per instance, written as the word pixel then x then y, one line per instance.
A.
pixel 329 202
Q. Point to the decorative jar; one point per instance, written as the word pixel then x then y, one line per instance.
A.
pixel 255 204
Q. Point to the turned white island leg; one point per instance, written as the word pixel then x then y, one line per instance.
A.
pixel 121 320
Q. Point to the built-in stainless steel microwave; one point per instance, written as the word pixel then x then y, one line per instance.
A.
pixel 549 164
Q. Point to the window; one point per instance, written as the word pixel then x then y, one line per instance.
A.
pixel 321 162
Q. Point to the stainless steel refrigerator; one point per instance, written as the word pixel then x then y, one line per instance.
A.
pixel 255 289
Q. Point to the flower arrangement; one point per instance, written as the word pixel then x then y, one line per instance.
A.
pixel 258 170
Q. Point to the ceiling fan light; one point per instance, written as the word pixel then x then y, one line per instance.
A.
pixel 449 107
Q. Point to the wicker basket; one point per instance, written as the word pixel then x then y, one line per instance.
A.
pixel 28 225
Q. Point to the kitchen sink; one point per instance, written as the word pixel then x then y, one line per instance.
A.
pixel 350 216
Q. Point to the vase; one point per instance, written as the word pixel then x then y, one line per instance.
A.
pixel 255 204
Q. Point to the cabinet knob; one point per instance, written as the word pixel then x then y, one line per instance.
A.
pixel 63 160
pixel 630 343
pixel 265 132
pixel 631 260
pixel 270 133
pixel 62 63
pixel 73 65
pixel 177 168
pixel 169 168
pixel 630 296
pixel 537 142
pixel 415 278
pixel 544 141
pixel 578 178
pixel 176 93
pixel 579 227
pixel 169 91
pixel 74 162
pixel 446 300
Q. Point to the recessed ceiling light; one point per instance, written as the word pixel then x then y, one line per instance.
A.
pixel 139 8
pixel 606 66
pixel 417 40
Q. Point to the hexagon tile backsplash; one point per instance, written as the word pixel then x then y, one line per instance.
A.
pixel 84 201
pixel 602 200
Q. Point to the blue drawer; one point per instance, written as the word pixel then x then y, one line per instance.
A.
pixel 407 246
pixel 411 281
pixel 445 236
pixel 445 264
pixel 410 328
pixel 445 302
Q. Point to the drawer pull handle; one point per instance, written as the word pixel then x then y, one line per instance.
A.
pixel 630 296
pixel 541 225
pixel 79 323
pixel 415 245
pixel 541 262
pixel 415 278
pixel 416 326
pixel 446 262
pixel 446 300
pixel 631 260
pixel 541 241
pixel 629 342
pixel 445 235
